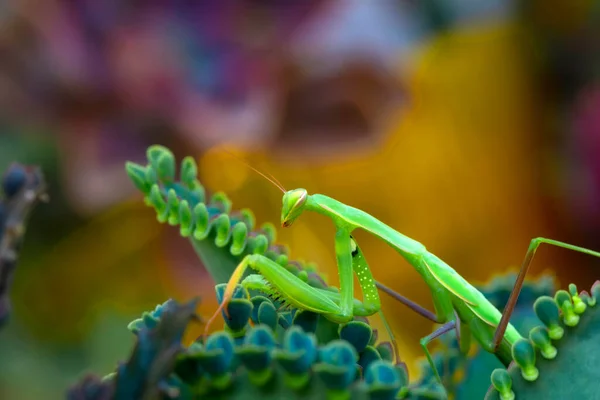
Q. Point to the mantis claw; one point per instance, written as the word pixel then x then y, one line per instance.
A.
pixel 228 295
pixel 222 307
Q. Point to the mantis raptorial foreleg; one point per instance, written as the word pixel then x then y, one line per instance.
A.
pixel 334 306
pixel 514 295
pixel 368 285
pixel 294 290
pixel 343 254
pixel 371 300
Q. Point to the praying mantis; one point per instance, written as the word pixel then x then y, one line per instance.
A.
pixel 458 305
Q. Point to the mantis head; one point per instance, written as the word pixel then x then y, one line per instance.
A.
pixel 293 205
pixel 293 200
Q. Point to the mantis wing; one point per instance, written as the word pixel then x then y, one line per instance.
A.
pixel 462 289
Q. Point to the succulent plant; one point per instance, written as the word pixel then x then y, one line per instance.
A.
pixel 275 358
pixel 568 334
pixel 148 373
pixel 21 189
pixel 289 354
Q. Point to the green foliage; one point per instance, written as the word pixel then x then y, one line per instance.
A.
pixel 297 354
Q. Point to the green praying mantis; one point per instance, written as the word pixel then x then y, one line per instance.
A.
pixel 458 305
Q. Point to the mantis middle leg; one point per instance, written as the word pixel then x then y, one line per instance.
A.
pixel 463 336
pixel 447 327
pixel 422 311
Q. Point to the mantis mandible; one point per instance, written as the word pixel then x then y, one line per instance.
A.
pixel 458 305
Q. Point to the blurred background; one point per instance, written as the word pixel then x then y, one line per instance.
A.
pixel 471 126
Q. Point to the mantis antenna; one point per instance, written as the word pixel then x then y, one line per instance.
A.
pixel 270 177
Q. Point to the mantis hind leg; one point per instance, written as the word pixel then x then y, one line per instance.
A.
pixel 514 295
